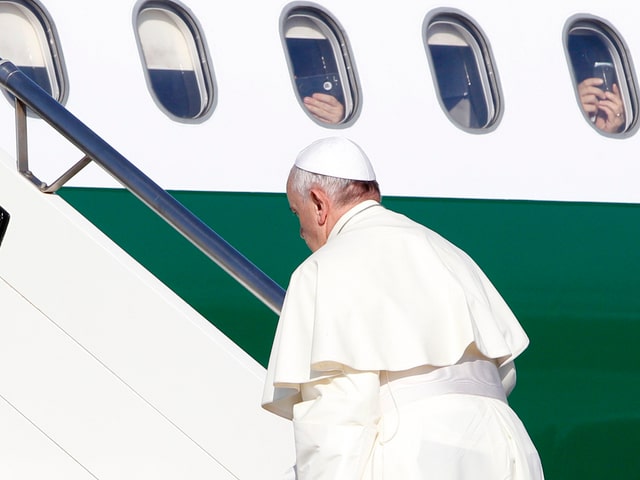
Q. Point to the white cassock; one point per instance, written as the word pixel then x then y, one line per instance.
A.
pixel 393 357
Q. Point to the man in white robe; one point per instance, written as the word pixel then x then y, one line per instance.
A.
pixel 394 353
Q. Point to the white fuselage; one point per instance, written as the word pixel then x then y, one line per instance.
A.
pixel 542 148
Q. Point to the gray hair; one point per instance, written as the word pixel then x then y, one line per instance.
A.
pixel 341 190
pixel 302 181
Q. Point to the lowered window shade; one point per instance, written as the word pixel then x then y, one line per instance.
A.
pixel 28 39
pixel 175 60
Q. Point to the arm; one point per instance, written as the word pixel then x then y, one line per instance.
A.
pixel 335 425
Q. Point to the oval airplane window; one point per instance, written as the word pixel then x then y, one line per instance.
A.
pixel 463 70
pixel 175 60
pixel 601 69
pixel 319 63
pixel 28 39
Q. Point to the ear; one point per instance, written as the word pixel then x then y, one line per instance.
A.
pixel 321 202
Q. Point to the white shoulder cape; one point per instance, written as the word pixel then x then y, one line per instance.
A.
pixel 384 293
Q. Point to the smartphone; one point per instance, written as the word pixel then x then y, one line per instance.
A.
pixel 607 73
pixel 326 83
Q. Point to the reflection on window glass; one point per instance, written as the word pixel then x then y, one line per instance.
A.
pixel 323 76
pixel 599 64
pixel 463 71
pixel 28 40
pixel 175 60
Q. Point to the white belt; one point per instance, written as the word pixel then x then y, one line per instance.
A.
pixel 476 377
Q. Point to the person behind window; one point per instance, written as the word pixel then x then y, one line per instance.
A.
pixel 598 86
pixel 316 74
pixel 604 107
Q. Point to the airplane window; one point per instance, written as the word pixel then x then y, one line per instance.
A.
pixel 4 222
pixel 175 60
pixel 463 71
pixel 28 39
pixel 601 72
pixel 320 65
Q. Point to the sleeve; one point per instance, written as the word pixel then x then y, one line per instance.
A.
pixel 335 426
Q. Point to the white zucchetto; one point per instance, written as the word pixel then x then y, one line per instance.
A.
pixel 336 157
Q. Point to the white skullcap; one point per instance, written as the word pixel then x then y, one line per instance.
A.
pixel 336 157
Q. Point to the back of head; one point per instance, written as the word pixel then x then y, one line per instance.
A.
pixel 338 166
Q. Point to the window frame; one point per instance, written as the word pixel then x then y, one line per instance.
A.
pixel 621 57
pixel 484 58
pixel 49 42
pixel 201 57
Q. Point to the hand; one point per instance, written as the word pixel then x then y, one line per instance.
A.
pixel 325 107
pixel 606 108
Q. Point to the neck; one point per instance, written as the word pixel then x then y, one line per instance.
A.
pixel 343 220
pixel 336 214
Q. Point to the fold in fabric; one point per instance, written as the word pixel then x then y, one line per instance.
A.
pixel 384 293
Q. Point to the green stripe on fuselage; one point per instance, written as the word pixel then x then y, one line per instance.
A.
pixel 570 271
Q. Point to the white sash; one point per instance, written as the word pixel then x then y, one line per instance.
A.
pixel 476 377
